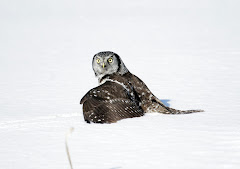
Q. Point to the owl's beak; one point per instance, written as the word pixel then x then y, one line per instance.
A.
pixel 103 65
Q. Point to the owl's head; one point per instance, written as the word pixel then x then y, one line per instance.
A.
pixel 107 63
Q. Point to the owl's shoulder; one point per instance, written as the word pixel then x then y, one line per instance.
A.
pixel 131 79
pixel 106 91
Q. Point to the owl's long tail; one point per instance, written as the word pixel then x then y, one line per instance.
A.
pixel 175 111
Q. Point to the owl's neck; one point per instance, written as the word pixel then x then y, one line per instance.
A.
pixel 104 78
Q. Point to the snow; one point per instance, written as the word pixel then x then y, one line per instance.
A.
pixel 186 51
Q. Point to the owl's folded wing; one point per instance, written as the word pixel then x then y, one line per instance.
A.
pixel 110 111
pixel 109 103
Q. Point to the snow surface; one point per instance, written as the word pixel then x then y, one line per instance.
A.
pixel 187 52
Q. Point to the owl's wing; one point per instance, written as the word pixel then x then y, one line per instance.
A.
pixel 109 103
pixel 151 103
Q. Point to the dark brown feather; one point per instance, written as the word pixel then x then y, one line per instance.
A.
pixel 109 103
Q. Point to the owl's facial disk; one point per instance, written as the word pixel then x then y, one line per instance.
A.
pixel 104 65
pixel 107 63
pixel 104 62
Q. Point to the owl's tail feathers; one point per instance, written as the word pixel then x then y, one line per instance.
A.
pixel 174 111
pixel 167 110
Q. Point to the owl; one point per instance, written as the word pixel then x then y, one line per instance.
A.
pixel 120 93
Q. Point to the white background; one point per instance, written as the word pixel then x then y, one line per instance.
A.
pixel 187 52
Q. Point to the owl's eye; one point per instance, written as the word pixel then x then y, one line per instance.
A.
pixel 110 60
pixel 98 60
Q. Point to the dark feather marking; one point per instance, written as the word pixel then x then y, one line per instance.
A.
pixel 119 106
pixel 119 62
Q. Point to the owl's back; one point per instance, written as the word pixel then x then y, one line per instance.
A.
pixel 109 103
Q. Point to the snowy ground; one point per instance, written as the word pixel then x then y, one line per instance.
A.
pixel 187 52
